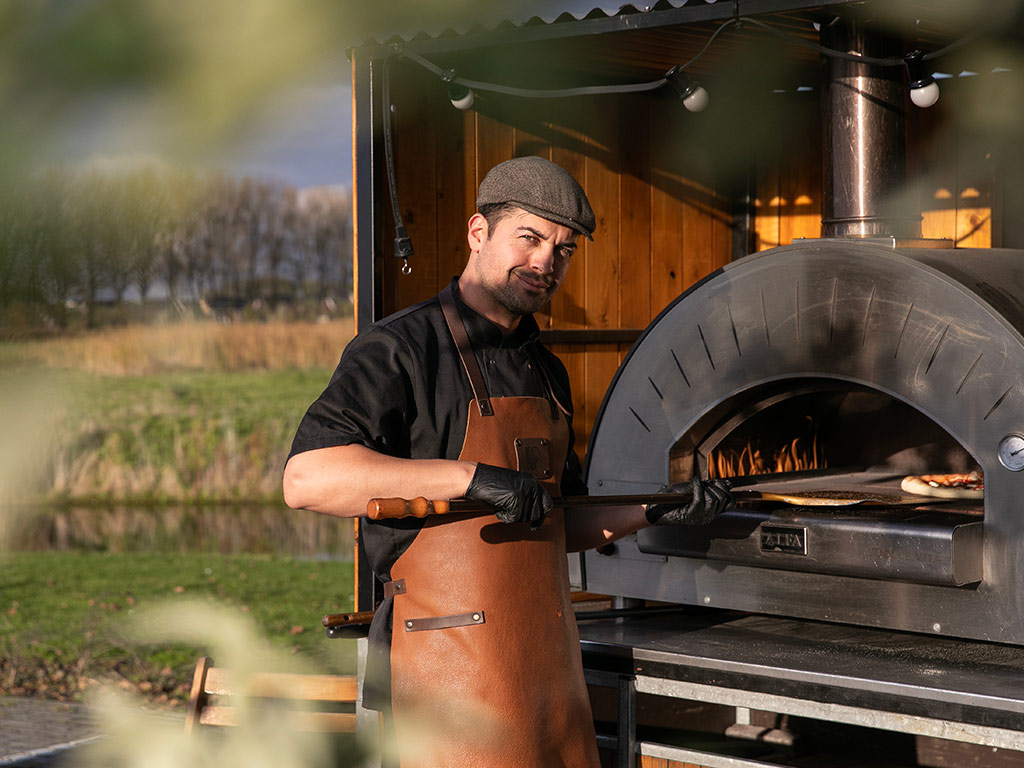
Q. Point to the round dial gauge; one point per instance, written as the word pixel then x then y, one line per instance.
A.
pixel 1011 452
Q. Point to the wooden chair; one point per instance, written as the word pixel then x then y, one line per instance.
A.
pixel 210 701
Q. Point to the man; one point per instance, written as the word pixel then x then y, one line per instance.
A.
pixel 455 398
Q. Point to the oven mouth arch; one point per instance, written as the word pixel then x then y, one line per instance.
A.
pixel 819 423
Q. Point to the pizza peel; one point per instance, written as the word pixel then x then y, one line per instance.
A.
pixel 389 509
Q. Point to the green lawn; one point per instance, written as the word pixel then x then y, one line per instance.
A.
pixel 67 618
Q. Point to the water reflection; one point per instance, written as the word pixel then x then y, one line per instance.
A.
pixel 203 528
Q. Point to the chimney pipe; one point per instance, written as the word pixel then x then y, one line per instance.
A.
pixel 865 144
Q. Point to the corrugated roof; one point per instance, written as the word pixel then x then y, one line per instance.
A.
pixel 432 20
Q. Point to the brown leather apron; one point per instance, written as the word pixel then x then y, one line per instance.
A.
pixel 485 658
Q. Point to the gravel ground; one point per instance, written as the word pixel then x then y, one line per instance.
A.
pixel 32 729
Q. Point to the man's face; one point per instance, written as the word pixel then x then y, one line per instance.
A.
pixel 520 263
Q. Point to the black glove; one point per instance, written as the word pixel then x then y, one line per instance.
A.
pixel 516 496
pixel 710 499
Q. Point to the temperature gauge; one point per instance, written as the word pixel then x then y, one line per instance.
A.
pixel 1011 452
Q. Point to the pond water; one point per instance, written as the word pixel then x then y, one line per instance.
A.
pixel 227 529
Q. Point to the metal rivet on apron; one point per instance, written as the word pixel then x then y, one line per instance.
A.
pixel 476 617
pixel 408 624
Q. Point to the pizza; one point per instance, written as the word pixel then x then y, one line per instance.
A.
pixel 970 485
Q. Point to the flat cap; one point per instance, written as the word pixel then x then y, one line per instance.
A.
pixel 540 187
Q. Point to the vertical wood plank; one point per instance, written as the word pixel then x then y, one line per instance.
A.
pixel 666 211
pixel 416 116
pixel 976 182
pixel 456 191
pixel 568 308
pixel 494 144
pixel 698 234
pixel 768 196
pixel 721 231
pixel 803 189
pixel 933 163
pixel 635 215
pixel 603 267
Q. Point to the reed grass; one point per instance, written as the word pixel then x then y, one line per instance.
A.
pixel 193 412
pixel 145 350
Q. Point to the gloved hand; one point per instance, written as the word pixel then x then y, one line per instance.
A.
pixel 516 496
pixel 710 499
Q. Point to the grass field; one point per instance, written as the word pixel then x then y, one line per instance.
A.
pixel 68 619
pixel 170 417
pixel 156 414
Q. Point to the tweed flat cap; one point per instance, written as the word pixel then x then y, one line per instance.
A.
pixel 540 187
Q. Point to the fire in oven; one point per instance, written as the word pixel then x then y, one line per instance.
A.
pixel 820 377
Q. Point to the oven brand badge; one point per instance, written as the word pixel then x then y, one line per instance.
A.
pixel 790 539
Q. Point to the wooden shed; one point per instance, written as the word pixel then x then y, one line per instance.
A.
pixel 678 194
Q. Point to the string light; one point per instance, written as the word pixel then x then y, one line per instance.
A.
pixel 461 97
pixel 923 89
pixel 691 93
pixel 462 92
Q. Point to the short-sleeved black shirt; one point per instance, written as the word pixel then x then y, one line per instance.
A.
pixel 401 389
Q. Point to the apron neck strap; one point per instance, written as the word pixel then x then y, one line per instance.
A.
pixel 458 331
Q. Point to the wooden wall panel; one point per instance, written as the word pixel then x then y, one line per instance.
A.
pixel 456 190
pixel 601 180
pixel 635 304
pixel 698 237
pixel 666 210
pixel 767 199
pixel 415 168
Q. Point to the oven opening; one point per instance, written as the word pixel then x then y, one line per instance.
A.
pixel 832 434
pixel 818 468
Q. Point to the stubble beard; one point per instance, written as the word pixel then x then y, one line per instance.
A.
pixel 516 299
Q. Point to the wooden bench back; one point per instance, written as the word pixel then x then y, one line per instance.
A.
pixel 209 681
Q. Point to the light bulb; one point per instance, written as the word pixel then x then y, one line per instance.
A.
pixel 925 95
pixel 923 90
pixel 462 98
pixel 697 100
pixel 693 96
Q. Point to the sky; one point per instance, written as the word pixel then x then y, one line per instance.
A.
pixel 301 136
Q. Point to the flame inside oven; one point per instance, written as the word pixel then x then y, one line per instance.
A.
pixel 759 457
pixel 817 427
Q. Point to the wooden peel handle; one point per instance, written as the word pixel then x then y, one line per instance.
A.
pixel 347 619
pixel 390 509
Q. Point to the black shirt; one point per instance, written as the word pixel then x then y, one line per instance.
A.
pixel 401 389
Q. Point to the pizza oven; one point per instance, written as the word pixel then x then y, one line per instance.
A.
pixel 838 367
pixel 842 366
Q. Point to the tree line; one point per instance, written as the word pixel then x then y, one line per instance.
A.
pixel 78 244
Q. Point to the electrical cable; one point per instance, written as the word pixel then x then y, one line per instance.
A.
pixel 652 85
pixel 403 245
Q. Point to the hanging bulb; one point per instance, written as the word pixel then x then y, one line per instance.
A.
pixel 461 97
pixel 691 93
pixel 924 91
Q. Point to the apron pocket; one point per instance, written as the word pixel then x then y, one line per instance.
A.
pixel 444 622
